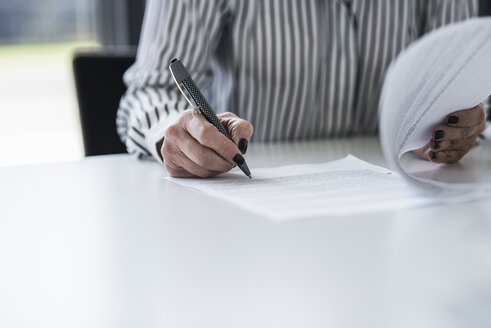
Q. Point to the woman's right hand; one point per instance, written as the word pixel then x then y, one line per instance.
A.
pixel 193 147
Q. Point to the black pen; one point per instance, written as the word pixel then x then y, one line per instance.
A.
pixel 194 96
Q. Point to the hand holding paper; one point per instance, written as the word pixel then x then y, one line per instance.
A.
pixel 451 141
pixel 446 71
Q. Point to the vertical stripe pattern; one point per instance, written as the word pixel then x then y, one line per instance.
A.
pixel 297 69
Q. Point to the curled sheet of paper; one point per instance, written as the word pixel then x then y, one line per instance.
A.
pixel 445 71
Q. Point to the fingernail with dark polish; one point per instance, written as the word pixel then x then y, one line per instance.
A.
pixel 453 119
pixel 439 134
pixel 238 159
pixel 437 145
pixel 434 155
pixel 243 145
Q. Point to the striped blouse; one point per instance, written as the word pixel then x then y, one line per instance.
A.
pixel 296 69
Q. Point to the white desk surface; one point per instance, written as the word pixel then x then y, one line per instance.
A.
pixel 106 242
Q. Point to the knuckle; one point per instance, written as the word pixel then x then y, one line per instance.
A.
pixel 246 127
pixel 206 133
pixel 172 132
pixel 203 159
pixel 210 130
pixel 169 159
pixel 241 127
pixel 166 150
pixel 185 116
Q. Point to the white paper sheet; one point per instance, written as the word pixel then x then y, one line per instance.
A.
pixel 343 187
pixel 445 71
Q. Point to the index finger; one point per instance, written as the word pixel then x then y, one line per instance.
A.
pixel 209 136
pixel 467 117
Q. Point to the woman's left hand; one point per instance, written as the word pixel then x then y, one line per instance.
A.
pixel 452 141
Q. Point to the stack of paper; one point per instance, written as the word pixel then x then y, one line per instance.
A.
pixel 343 187
pixel 445 71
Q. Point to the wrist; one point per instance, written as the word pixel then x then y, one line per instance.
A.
pixel 155 136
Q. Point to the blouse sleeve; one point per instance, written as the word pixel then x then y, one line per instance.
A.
pixel 189 30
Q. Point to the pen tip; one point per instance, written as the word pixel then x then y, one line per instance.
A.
pixel 250 177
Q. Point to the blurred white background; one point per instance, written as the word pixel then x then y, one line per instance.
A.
pixel 38 111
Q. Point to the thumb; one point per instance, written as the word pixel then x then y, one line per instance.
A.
pixel 239 129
